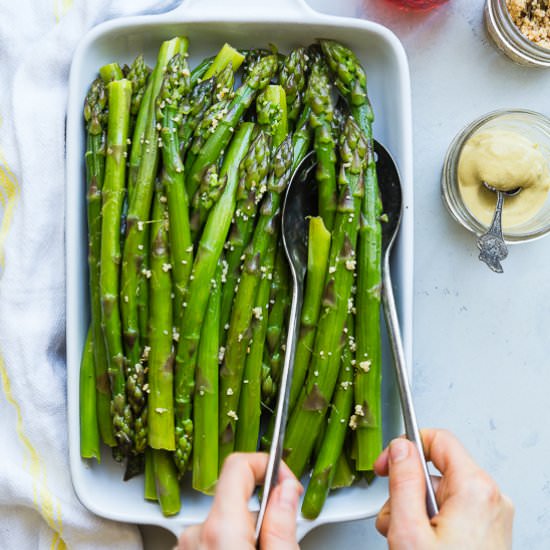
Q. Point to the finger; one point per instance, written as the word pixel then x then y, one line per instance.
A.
pixel 447 453
pixel 382 462
pixel 407 489
pixel 240 474
pixel 279 526
pixel 383 519
pixel 190 538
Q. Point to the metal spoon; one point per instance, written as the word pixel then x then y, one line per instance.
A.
pixel 392 201
pixel 300 202
pixel 491 245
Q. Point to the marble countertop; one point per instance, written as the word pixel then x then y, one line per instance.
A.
pixel 481 340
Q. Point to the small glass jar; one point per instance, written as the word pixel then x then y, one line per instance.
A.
pixel 509 38
pixel 533 126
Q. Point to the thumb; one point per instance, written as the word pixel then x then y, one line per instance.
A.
pixel 279 526
pixel 408 516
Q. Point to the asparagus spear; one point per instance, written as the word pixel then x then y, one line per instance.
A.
pixel 344 474
pixel 253 173
pixel 271 110
pixel 238 335
pixel 138 75
pixel 207 124
pixel 192 110
pixel 135 464
pixel 271 113
pixel 311 408
pixel 142 295
pixel 259 77
pixel 318 97
pixel 175 86
pixel 268 392
pixel 161 375
pixel 333 440
pixel 119 92
pixel 149 485
pixel 251 57
pixel 204 266
pixel 248 428
pixel 140 206
pixel 317 266
pixel 138 139
pixel 301 138
pixel 166 481
pixel 197 74
pixel 293 79
pixel 205 403
pixel 95 116
pixel 89 430
pixel 280 302
pixel 208 193
pixel 226 56
pixel 351 80
pixel 111 72
pixel 369 356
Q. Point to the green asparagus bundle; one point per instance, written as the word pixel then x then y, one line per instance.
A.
pixel 189 285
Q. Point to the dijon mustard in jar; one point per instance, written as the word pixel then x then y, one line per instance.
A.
pixel 507 149
pixel 506 160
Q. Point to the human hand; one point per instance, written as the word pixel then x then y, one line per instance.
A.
pixel 473 513
pixel 230 525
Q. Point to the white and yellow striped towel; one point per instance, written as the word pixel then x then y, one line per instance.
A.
pixel 38 507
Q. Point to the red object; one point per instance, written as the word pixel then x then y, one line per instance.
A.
pixel 419 4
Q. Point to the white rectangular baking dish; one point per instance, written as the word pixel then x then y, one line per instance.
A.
pixel 208 24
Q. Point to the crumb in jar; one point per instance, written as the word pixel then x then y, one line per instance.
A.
pixel 532 18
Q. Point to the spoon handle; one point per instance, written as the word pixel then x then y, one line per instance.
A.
pixel 492 248
pixel 496 225
pixel 409 416
pixel 276 449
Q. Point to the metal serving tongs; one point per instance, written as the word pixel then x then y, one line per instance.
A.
pixel 300 201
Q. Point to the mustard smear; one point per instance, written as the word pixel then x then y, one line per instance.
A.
pixel 505 160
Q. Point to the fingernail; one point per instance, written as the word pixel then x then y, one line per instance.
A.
pixel 399 449
pixel 290 492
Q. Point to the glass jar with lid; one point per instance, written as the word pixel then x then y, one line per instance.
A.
pixel 510 39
